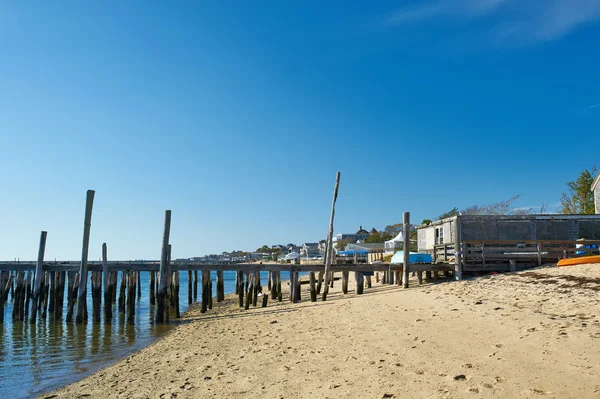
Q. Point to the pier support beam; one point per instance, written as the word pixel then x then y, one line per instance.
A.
pixel 220 286
pixel 39 276
pixel 83 271
pixel 162 288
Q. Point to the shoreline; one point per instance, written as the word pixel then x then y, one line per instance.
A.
pixel 525 334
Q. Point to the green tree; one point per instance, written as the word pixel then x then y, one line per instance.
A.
pixel 393 229
pixel 580 198
pixel 341 244
pixel 378 237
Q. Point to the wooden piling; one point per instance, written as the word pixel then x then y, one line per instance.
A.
pixel 169 291
pixel 205 290
pixel 162 288
pixel 195 285
pixel 122 292
pixel 6 282
pixel 114 276
pixel 131 294
pixel 360 284
pixel 52 291
pixel 71 294
pixel 313 287
pixel 28 293
pixel 39 276
pixel 107 285
pixel 83 270
pixel 369 283
pixel 60 294
pixel 273 288
pixel 249 289
pixel 345 278
pixel 210 291
pixel 255 287
pixel 269 280
pixel 96 295
pixel 190 292
pixel 220 286
pixel 328 259
pixel 17 296
pixel 152 287
pixel 265 300
pixel 240 287
pixel 406 252
pixel 176 301
pixel 298 287
pixel 319 282
pixel 279 292
pixel 139 284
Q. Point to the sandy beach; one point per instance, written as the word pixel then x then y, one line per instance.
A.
pixel 532 334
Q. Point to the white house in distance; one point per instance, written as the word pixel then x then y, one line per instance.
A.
pixel 596 191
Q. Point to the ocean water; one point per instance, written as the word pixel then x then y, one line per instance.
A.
pixel 37 358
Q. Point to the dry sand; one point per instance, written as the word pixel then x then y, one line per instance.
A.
pixel 528 334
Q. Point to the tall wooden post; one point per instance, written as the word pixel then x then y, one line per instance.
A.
pixel 162 287
pixel 83 270
pixel 458 256
pixel 39 276
pixel 220 286
pixel 330 238
pixel 406 261
pixel 107 285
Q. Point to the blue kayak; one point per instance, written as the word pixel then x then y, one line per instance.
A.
pixel 413 257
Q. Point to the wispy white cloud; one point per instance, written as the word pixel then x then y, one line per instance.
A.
pixel 524 21
pixel 587 110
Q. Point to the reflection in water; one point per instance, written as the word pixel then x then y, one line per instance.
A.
pixel 36 358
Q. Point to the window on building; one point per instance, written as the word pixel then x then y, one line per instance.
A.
pixel 439 235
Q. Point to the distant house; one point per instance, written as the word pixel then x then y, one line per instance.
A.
pixel 292 248
pixel 309 249
pixel 322 246
pixel 596 191
pixel 282 248
pixel 362 234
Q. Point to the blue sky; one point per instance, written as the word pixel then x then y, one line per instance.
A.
pixel 236 116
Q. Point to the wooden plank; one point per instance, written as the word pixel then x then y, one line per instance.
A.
pixel 83 270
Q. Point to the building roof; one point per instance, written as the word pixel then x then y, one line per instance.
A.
pixel 373 231
pixel 361 231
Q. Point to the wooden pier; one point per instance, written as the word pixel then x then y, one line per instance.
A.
pixel 41 285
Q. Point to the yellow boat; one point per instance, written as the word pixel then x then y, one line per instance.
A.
pixel 579 261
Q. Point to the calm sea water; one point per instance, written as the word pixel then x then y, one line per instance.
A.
pixel 37 358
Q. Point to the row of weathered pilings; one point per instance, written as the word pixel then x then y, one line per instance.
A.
pixel 18 278
pixel 43 283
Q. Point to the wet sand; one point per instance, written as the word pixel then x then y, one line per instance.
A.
pixel 529 334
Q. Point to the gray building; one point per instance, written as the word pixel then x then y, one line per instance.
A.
pixel 443 238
